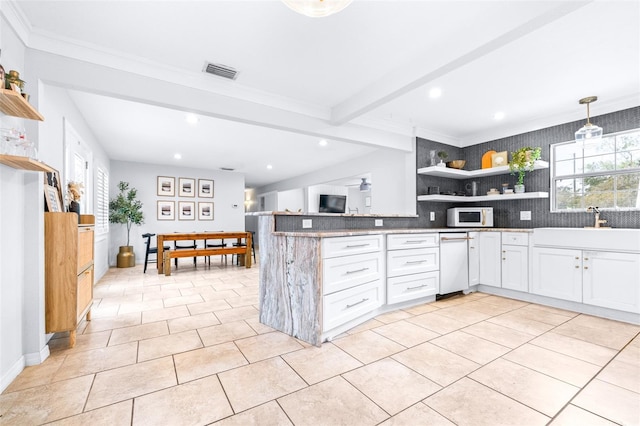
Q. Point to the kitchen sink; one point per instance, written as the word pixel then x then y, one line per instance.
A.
pixel 616 239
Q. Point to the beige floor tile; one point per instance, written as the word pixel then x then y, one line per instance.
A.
pixel 246 300
pixel 159 295
pixel 176 285
pixel 451 301
pixel 539 315
pixel 128 382
pixel 208 306
pixel 258 327
pixel 246 291
pixel 418 413
pixel 178 325
pixel 612 334
pixel 533 389
pixel 631 353
pixel 197 403
pixel 183 300
pixel 576 416
pixel 437 323
pixel 222 333
pixel 138 332
pixel 332 402
pixel 84 342
pixel 368 346
pixel 208 361
pixel 128 299
pixel 576 348
pixel 623 374
pixel 486 308
pixel 611 402
pixel 550 309
pixel 255 384
pixel 513 320
pixel 96 360
pixel 467 402
pixel 393 316
pixel 37 375
pixel 113 415
pixel 236 314
pixel 263 346
pixel 367 325
pixel 421 309
pixel 315 364
pixel 436 364
pixel 499 334
pixel 44 404
pixel 165 314
pixel 406 333
pixel 471 347
pixel 99 312
pixel 110 323
pixel 220 295
pixel 171 344
pixel 554 364
pixel 126 308
pixel 391 385
pixel 266 414
pixel 503 302
pixel 464 315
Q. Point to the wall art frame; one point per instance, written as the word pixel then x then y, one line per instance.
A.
pixel 186 210
pixel 166 186
pixel 166 210
pixel 186 187
pixel 205 210
pixel 205 188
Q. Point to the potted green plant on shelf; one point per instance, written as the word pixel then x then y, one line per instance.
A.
pixel 125 209
pixel 522 161
pixel 443 156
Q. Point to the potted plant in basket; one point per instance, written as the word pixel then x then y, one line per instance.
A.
pixel 522 161
pixel 127 210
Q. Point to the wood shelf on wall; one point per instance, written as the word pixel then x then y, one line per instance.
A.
pixel 458 199
pixel 25 163
pixel 451 173
pixel 14 104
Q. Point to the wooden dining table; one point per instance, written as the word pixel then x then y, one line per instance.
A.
pixel 238 249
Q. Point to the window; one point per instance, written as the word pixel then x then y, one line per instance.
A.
pixel 102 201
pixel 606 175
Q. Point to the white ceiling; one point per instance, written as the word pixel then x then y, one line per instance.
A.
pixel 363 74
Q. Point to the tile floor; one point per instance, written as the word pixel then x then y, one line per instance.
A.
pixel 189 350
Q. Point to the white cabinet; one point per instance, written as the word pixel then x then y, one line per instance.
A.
pixel 611 280
pixel 515 261
pixel 474 259
pixel 490 262
pixel 557 273
pixel 413 262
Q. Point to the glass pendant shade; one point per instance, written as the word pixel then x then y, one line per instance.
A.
pixel 317 8
pixel 589 134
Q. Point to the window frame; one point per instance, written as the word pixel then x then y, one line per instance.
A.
pixel 102 201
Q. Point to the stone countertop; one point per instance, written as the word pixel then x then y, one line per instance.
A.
pixel 346 233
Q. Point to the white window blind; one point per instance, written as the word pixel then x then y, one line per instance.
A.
pixel 102 202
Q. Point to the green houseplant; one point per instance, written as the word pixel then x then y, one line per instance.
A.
pixel 522 161
pixel 125 209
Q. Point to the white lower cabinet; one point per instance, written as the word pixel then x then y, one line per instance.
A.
pixel 489 244
pixel 557 273
pixel 515 261
pixel 611 280
pixel 413 263
pixel 414 286
pixel 474 259
pixel 346 305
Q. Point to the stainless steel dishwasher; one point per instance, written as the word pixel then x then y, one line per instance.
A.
pixel 454 265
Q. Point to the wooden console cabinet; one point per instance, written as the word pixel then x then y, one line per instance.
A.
pixel 68 252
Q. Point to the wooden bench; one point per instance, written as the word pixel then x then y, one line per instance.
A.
pixel 171 254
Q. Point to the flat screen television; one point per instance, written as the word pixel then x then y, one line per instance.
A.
pixel 332 203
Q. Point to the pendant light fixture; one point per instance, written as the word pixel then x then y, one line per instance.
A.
pixel 364 185
pixel 317 8
pixel 588 134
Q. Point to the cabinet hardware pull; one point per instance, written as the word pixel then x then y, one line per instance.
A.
pixel 357 303
pixel 357 245
pixel 415 241
pixel 577 258
pixel 504 258
pixel 586 267
pixel 356 271
pixel 586 258
pixel 504 251
pixel 418 286
pixel 455 239
pixel 577 267
pixel 409 262
pixel 471 247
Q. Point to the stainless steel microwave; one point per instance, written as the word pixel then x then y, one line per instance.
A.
pixel 470 217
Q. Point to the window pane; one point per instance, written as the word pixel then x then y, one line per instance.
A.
pixel 599 163
pixel 568 194
pixel 598 191
pixel 628 159
pixel 568 167
pixel 628 141
pixel 566 151
pixel 628 190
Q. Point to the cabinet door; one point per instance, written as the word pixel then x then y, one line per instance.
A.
pixel 403 262
pixel 339 273
pixel 85 247
pixel 490 263
pixel 346 305
pixel 410 287
pixel 474 259
pixel 611 280
pixel 515 266
pixel 557 273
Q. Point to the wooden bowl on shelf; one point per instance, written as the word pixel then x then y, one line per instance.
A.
pixel 456 164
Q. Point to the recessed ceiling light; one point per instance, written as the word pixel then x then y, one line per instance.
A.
pixel 323 142
pixel 498 115
pixel 192 119
pixel 177 156
pixel 434 93
pixel 269 166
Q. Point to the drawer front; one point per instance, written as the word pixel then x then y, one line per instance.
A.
pixel 346 305
pixel 339 273
pixel 515 238
pixel 85 291
pixel 410 241
pixel 410 287
pixel 403 262
pixel 85 248
pixel 345 246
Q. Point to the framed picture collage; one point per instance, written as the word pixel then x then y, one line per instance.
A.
pixel 200 189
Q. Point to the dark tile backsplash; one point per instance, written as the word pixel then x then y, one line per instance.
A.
pixel 506 213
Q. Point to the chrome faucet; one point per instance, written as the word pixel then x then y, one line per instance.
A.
pixel 598 221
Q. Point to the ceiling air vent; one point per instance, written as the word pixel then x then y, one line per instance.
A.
pixel 227 169
pixel 220 70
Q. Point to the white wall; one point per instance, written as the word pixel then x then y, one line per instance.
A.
pixel 228 192
pixel 314 191
pixel 291 200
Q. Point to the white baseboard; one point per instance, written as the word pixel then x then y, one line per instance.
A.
pixel 13 372
pixel 36 358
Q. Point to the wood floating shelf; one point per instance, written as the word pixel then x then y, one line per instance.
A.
pixel 451 173
pixel 25 163
pixel 460 199
pixel 14 104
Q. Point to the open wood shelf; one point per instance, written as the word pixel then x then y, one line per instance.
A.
pixel 448 172
pixel 14 104
pixel 25 163
pixel 458 199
